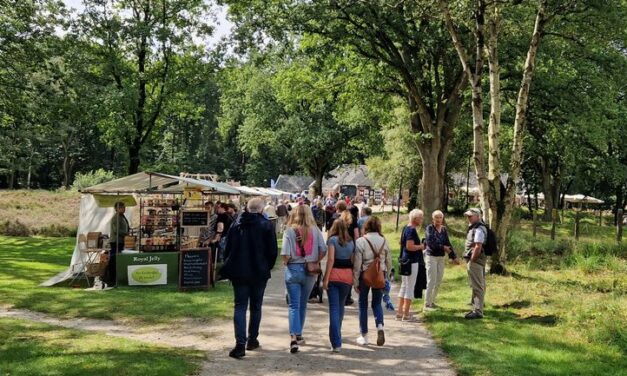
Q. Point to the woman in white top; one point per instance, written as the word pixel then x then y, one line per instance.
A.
pixel 365 248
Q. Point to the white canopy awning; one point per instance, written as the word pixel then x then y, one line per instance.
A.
pixel 579 198
pixel 204 184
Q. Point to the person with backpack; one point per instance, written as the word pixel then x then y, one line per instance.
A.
pixel 411 257
pixel 303 248
pixel 476 257
pixel 372 261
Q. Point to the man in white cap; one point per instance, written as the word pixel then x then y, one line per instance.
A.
pixel 476 258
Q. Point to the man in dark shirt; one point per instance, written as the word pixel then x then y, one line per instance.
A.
pixel 223 223
pixel 250 253
pixel 282 212
pixel 118 229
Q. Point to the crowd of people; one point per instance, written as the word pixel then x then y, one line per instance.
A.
pixel 355 250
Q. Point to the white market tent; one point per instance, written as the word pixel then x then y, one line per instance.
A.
pixel 582 199
pixel 96 209
pixel 259 191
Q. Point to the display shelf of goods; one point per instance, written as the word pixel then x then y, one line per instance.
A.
pixel 159 219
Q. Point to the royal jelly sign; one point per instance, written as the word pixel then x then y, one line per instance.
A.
pixel 147 269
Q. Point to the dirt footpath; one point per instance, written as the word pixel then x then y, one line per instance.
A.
pixel 409 348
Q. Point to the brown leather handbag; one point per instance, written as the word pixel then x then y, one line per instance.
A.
pixel 311 267
pixel 373 276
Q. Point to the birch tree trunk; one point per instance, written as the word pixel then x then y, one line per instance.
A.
pixel 496 204
pixel 494 127
pixel 498 261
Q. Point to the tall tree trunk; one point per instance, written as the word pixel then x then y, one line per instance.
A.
pixel 12 178
pixel 318 186
pixel 494 126
pixel 431 184
pixel 134 158
pixel 498 261
pixel 551 184
pixel 496 202
pixel 621 200
pixel 134 148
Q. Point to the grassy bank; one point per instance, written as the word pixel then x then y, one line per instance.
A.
pixel 26 262
pixel 28 348
pixel 45 213
pixel 559 322
pixel 562 311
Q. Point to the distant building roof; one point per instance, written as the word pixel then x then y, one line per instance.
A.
pixel 293 183
pixel 348 175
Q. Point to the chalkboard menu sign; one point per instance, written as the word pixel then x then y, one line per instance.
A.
pixel 194 269
pixel 195 218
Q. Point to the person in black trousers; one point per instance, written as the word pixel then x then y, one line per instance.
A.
pixel 250 254
pixel 118 229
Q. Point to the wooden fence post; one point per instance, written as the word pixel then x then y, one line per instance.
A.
pixel 554 219
pixel 600 217
pixel 619 225
pixel 535 224
pixel 576 225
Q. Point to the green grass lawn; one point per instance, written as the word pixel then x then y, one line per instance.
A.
pixel 563 310
pixel 26 262
pixel 28 348
pixel 536 323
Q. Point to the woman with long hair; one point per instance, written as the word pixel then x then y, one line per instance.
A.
pixel 302 243
pixel 367 248
pixel 338 278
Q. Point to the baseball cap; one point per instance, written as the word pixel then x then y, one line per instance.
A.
pixel 473 211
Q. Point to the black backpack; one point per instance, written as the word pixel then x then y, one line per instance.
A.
pixel 490 247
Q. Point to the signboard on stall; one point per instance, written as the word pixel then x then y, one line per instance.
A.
pixel 194 269
pixel 192 193
pixel 147 269
pixel 195 218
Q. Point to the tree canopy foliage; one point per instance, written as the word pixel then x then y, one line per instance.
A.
pixel 300 87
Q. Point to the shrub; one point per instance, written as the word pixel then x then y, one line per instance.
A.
pixel 457 206
pixel 56 230
pixel 14 228
pixel 521 212
pixel 90 178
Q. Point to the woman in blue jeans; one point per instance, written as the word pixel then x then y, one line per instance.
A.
pixel 302 242
pixel 338 278
pixel 365 248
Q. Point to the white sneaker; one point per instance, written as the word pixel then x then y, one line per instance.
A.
pixel 362 340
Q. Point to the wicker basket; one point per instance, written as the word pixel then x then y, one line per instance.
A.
pixel 96 270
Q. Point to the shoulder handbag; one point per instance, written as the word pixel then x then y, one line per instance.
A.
pixel 373 275
pixel 311 267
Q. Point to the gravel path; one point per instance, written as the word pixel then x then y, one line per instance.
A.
pixel 409 348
